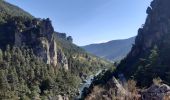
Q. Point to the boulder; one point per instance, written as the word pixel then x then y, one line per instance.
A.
pixel 156 92
pixel 60 97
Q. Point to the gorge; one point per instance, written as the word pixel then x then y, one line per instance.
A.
pixel 39 63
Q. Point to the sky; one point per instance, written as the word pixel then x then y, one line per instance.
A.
pixel 90 21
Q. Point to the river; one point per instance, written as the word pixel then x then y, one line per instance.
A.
pixel 87 83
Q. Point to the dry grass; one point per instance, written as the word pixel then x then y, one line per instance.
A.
pixel 157 81
pixel 109 92
pixel 167 96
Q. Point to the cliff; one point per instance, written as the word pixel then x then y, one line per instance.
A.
pixel 149 56
pixel 37 34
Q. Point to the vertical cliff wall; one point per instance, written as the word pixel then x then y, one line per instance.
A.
pixel 37 34
pixel 155 34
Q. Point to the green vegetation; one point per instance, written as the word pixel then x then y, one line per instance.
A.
pixel 23 75
pixel 113 50
pixel 100 80
pixel 147 68
pixel 149 57
pixel 151 64
pixel 7 10
pixel 80 61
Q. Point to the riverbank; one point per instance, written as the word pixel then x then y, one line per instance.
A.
pixel 87 83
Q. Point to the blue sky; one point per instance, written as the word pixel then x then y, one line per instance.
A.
pixel 90 21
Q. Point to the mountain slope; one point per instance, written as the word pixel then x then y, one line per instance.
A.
pixel 149 57
pixel 112 50
pixel 38 63
pixel 7 9
pixel 148 63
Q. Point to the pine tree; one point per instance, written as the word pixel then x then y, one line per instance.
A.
pixel 1 55
pixel 4 86
pixel 154 54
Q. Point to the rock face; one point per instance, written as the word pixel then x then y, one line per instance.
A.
pixel 59 97
pixel 120 89
pixel 37 34
pixel 62 59
pixel 41 36
pixel 156 92
pixel 112 90
pixel 155 32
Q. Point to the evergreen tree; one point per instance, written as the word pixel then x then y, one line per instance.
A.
pixel 4 86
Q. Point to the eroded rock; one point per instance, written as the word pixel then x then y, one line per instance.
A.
pixel 156 92
pixel 60 97
pixel 36 34
pixel 62 59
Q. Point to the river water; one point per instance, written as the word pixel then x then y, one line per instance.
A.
pixel 87 84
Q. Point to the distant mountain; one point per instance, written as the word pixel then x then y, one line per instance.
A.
pixel 113 50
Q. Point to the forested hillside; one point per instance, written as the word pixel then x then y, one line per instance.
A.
pixel 114 50
pixel 38 63
pixel 6 10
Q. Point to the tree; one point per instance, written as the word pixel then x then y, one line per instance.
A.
pixel 35 92
pixel 1 55
pixel 4 86
pixel 13 78
pixel 46 84
pixel 70 39
pixel 154 54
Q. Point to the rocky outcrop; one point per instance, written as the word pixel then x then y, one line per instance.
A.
pixel 64 36
pixel 62 59
pixel 36 34
pixel 120 89
pixel 59 97
pixel 156 92
pixel 155 32
pixel 53 53
pixel 112 90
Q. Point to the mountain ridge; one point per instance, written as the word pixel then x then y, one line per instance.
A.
pixel 113 50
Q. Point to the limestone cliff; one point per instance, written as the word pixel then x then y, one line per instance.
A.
pixel 152 39
pixel 37 34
